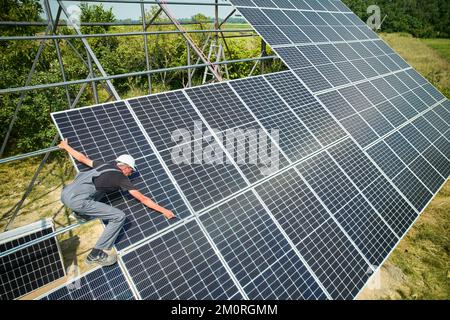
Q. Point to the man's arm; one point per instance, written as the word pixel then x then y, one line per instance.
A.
pixel 77 155
pixel 152 205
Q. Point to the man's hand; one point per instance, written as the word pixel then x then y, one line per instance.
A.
pixel 168 214
pixel 63 144
pixel 152 205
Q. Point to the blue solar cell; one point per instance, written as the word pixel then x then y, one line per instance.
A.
pixel 415 138
pixel 347 51
pixel 179 265
pixel 313 79
pixel 336 104
pixel 332 53
pixel 290 89
pixel 293 58
pixel 350 71
pixel 359 130
pixel 436 121
pixel 330 33
pixel 258 248
pixel 294 206
pixel 396 83
pixel 107 283
pixel 314 34
pixel 413 189
pixel 161 115
pixel 390 204
pixel 255 17
pixel 320 123
pixel 365 68
pixel 404 107
pixel 258 95
pixel 371 93
pixel 377 65
pixel 444 114
pixel 354 163
pixel 113 126
pixel 377 121
pixel 402 148
pixel 439 157
pixel 388 110
pixel 295 35
pixel 328 181
pixel 355 98
pixel 298 18
pixel 436 94
pixel 278 17
pixel 245 3
pixel 204 184
pixel 426 129
pixel 285 4
pixel 335 261
pixel 385 88
pixel 386 159
pixel 294 138
pixel 361 49
pixel 367 230
pixel 273 35
pixel 220 106
pixel 427 174
pixel 333 75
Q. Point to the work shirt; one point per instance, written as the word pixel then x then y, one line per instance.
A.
pixel 111 181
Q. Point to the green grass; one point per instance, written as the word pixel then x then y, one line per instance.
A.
pixel 431 63
pixel 440 45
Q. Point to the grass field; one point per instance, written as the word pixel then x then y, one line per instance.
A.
pixel 418 269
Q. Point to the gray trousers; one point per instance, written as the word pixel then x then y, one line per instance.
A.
pixel 97 210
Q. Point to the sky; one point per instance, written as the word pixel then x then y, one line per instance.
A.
pixel 133 10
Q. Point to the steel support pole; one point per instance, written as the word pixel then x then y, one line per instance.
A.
pixel 131 74
pixel 189 64
pixel 56 42
pixel 147 60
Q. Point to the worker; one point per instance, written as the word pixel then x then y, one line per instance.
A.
pixel 84 193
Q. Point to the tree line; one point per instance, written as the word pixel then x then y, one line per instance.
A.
pixel 421 18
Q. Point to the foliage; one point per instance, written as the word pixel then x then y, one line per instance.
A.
pixel 420 18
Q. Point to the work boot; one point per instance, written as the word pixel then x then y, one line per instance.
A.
pixel 79 218
pixel 101 258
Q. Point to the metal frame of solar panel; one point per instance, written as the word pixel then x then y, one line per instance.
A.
pixel 30 268
pixel 329 161
pixel 106 283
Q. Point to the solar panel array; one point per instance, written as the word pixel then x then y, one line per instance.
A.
pixel 363 146
pixel 30 268
pixel 100 284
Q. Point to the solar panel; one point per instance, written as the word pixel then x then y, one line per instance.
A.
pixel 348 186
pixel 106 283
pixel 32 267
pixel 103 133
pixel 180 264
pixel 258 254
pixel 328 181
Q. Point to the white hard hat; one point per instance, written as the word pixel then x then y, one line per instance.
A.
pixel 128 160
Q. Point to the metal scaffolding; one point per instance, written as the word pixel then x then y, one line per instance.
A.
pixel 52 33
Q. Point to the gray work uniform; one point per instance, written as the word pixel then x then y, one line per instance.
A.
pixel 83 198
